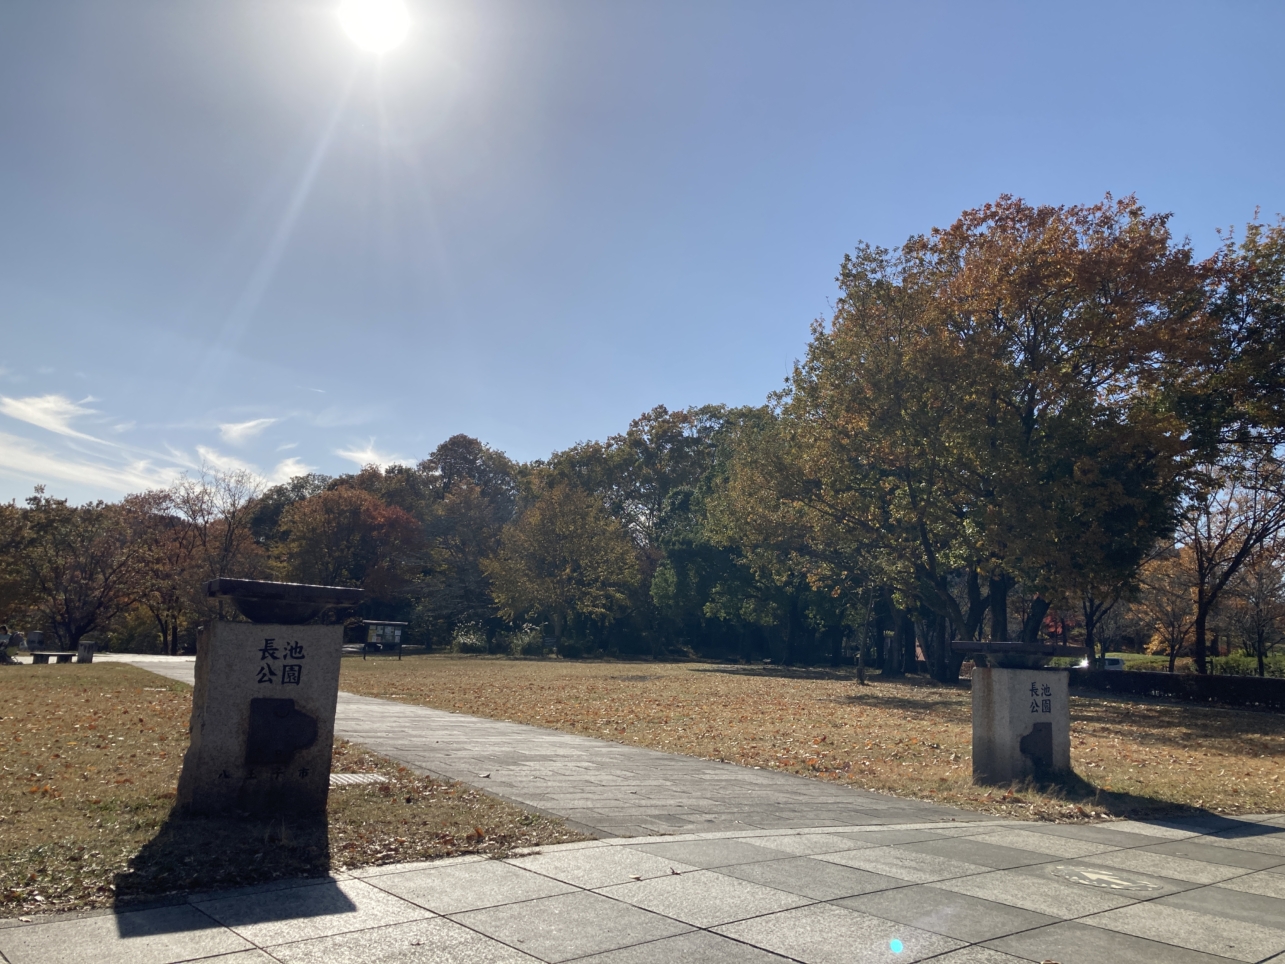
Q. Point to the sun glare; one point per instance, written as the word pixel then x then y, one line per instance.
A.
pixel 375 25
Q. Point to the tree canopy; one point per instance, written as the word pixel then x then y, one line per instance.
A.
pixel 1036 421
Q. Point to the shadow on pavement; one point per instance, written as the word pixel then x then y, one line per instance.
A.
pixel 201 854
pixel 1077 791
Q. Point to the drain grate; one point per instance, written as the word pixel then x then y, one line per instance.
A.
pixel 355 779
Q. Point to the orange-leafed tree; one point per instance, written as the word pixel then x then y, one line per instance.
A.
pixel 346 536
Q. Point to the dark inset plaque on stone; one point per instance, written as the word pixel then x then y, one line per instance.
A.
pixel 277 731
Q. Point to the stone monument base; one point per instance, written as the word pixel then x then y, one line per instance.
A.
pixel 1021 724
pixel 263 719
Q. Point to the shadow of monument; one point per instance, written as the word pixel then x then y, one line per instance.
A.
pixel 191 855
pixel 1073 790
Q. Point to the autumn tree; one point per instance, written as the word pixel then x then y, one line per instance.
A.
pixel 470 495
pixel 15 587
pixel 218 506
pixel 1254 608
pixel 803 571
pixel 1165 603
pixel 1232 391
pixel 639 471
pixel 1069 318
pixel 464 461
pixel 169 568
pixel 347 537
pixel 82 565
pixel 1236 509
pixel 265 515
pixel 564 557
pixel 984 404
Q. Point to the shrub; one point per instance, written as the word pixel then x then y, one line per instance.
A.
pixel 1238 664
pixel 527 641
pixel 468 639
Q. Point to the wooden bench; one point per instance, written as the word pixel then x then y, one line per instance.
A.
pixel 42 655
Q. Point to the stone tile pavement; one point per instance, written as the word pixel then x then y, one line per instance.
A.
pixel 996 892
pixel 898 883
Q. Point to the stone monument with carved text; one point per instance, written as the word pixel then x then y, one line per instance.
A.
pixel 1021 711
pixel 263 709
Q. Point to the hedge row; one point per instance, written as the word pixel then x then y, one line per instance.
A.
pixel 1231 690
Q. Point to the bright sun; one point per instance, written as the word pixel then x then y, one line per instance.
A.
pixel 375 25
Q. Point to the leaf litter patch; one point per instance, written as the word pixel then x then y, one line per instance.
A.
pixel 90 765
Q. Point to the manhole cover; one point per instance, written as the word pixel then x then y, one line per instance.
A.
pixel 354 779
pixel 1106 879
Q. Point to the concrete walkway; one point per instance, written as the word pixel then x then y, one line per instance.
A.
pixel 899 882
pixel 607 789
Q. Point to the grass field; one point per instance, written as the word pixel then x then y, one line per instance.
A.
pixel 91 757
pixel 907 737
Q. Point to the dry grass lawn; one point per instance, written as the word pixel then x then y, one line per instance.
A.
pixel 91 757
pixel 908 737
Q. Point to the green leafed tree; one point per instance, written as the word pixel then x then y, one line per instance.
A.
pixel 565 557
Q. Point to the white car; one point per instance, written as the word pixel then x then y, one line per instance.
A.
pixel 1111 662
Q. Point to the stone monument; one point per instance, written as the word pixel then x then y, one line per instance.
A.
pixel 1021 711
pixel 263 709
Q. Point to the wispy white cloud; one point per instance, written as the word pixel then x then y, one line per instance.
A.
pixel 54 413
pixel 287 446
pixel 22 458
pixel 369 455
pixel 287 469
pixel 106 466
pixel 224 463
pixel 236 433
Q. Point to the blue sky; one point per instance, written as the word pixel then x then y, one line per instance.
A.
pixel 229 235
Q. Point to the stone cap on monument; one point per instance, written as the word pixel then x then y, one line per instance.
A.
pixel 1015 654
pixel 288 603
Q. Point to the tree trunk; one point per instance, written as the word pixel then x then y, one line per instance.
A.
pixel 945 668
pixel 792 632
pixel 893 664
pixel 977 606
pixel 909 663
pixel 1202 618
pixel 999 587
pixel 1034 620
